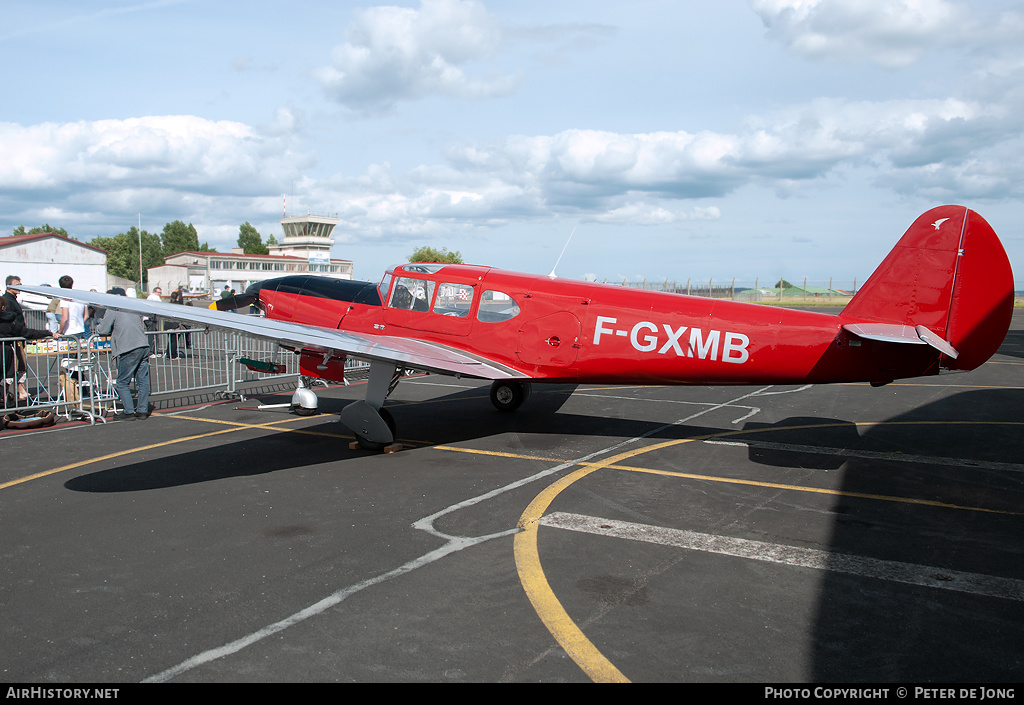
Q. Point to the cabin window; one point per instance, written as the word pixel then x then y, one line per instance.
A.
pixel 412 294
pixel 496 306
pixel 454 300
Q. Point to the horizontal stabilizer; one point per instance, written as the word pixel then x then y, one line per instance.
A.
pixel 901 333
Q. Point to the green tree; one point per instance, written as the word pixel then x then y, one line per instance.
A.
pixel 782 284
pixel 429 254
pixel 123 252
pixel 45 228
pixel 178 237
pixel 250 241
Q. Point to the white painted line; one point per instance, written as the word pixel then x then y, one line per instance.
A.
pixel 751 410
pixel 454 543
pixel 797 556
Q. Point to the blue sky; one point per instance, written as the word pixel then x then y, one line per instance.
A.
pixel 760 138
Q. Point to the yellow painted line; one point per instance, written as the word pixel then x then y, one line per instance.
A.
pixel 735 481
pixel 611 465
pixel 268 425
pixel 815 490
pixel 109 456
pixel 531 574
pixel 499 454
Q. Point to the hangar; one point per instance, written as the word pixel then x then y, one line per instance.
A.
pixel 43 258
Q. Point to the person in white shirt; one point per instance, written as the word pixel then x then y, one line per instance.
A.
pixel 73 314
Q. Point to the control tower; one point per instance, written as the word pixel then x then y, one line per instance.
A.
pixel 306 236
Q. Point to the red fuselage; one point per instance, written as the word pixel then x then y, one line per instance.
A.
pixel 562 330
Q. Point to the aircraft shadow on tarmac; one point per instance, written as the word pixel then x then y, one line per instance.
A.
pixel 453 418
pixel 877 630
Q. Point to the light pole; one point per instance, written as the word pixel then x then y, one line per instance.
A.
pixel 140 254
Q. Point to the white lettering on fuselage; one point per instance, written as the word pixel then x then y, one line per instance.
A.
pixel 645 336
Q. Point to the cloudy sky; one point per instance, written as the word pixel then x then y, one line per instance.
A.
pixel 735 138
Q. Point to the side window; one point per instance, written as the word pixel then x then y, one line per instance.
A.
pixel 454 300
pixel 496 306
pixel 384 286
pixel 412 294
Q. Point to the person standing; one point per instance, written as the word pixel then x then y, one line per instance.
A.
pixel 151 323
pixel 129 345
pixel 12 325
pixel 172 339
pixel 13 307
pixel 73 314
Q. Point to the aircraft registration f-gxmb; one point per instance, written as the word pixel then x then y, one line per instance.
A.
pixel 940 301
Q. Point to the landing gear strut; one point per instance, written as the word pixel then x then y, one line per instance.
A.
pixel 509 395
pixel 304 401
pixel 368 420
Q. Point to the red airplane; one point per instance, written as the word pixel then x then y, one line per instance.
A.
pixel 941 301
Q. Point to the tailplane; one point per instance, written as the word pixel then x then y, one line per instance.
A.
pixel 947 284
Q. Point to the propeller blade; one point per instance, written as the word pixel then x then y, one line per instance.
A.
pixel 230 303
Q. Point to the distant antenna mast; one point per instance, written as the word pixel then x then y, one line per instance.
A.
pixel 140 253
pixel 552 275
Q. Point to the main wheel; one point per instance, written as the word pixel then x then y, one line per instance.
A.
pixel 509 395
pixel 373 445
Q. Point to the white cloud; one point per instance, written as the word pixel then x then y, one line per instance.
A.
pixel 182 152
pixel 923 147
pixel 208 171
pixel 892 33
pixel 395 53
pixel 179 166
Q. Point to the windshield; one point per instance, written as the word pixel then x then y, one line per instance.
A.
pixel 385 285
pixel 412 294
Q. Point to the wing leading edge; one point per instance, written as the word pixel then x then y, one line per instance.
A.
pixel 408 352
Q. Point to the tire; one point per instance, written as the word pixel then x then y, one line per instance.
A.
pixel 509 395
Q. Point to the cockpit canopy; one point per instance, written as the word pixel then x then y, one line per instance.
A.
pixel 451 290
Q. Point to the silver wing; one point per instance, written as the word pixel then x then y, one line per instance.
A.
pixel 402 351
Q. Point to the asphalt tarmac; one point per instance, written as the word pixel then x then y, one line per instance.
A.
pixel 825 534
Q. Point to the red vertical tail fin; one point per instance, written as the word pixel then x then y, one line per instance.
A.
pixel 950 274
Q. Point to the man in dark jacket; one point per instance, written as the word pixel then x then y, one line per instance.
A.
pixel 129 345
pixel 13 305
pixel 12 325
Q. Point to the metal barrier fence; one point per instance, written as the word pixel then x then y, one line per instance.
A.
pixel 76 377
pixel 192 359
pixel 65 375
pixel 774 289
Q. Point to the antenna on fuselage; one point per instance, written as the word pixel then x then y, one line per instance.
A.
pixel 553 275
